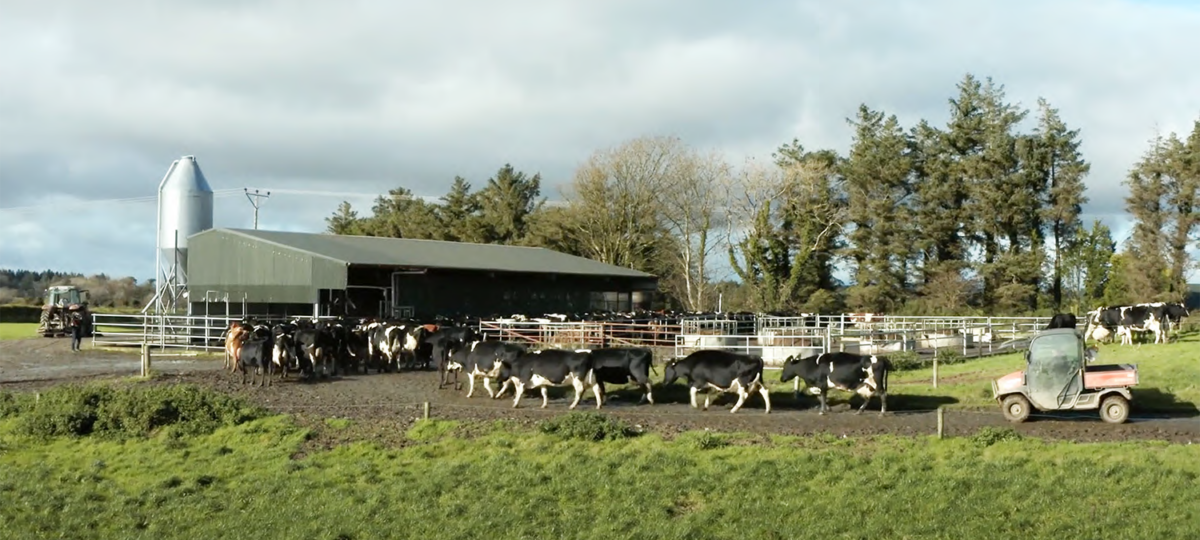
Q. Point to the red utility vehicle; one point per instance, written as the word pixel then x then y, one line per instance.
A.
pixel 1059 376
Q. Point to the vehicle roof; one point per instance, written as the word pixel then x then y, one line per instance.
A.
pixel 1059 331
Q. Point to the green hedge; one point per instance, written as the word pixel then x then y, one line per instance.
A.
pixel 20 314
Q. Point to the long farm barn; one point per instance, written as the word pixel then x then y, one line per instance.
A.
pixel 240 272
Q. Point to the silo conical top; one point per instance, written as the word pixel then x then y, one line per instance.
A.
pixel 185 205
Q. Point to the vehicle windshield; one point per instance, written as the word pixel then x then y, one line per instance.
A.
pixel 1055 351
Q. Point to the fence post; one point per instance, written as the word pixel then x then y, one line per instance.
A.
pixel 935 369
pixel 425 410
pixel 941 421
pixel 145 360
pixel 965 337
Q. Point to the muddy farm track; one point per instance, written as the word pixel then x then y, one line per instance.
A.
pixel 397 398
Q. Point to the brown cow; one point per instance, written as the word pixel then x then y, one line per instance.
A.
pixel 234 337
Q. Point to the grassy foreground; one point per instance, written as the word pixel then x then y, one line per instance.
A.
pixel 262 477
pixel 18 330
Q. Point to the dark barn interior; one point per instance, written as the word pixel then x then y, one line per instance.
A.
pixel 284 274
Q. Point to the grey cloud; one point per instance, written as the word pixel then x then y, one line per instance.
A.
pixel 363 97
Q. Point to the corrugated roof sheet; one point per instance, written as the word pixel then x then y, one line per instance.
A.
pixel 372 250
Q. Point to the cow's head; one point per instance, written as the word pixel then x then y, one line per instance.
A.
pixel 791 369
pixel 670 372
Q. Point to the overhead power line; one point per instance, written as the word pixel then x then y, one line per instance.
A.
pixel 220 193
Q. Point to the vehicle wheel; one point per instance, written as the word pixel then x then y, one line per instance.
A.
pixel 1016 408
pixel 1114 409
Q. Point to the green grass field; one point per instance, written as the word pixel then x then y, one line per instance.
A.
pixel 17 330
pixel 244 482
pixel 142 472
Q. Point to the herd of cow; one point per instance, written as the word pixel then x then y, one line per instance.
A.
pixel 1122 321
pixel 318 348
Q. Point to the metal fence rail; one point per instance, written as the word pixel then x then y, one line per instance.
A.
pixel 186 332
pixel 200 333
pixel 599 334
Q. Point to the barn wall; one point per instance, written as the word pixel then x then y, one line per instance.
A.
pixel 254 271
pixel 482 294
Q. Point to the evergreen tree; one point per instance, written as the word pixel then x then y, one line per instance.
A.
pixel 458 213
pixel 344 220
pixel 1117 292
pixel 877 173
pixel 1087 265
pixel 1147 266
pixel 1182 179
pixel 938 207
pixel 1060 167
pixel 402 215
pixel 506 203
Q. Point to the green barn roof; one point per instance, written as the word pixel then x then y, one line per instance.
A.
pixel 379 251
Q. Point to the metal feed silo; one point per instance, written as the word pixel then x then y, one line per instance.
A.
pixel 185 207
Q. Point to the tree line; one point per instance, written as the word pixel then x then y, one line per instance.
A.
pixel 28 287
pixel 980 215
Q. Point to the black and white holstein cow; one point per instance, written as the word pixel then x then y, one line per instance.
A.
pixel 443 343
pixel 551 367
pixel 1124 321
pixel 865 375
pixel 617 365
pixel 722 371
pixel 484 359
pixel 317 350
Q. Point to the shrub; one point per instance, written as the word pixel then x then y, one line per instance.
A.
pixel 906 360
pixel 13 404
pixel 988 435
pixel 81 410
pixel 587 426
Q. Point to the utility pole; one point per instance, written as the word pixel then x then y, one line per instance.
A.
pixel 255 201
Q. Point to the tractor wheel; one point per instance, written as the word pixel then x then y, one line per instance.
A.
pixel 1016 408
pixel 44 324
pixel 1114 409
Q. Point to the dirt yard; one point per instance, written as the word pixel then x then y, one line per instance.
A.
pixel 31 364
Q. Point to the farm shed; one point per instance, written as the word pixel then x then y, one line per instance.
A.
pixel 277 273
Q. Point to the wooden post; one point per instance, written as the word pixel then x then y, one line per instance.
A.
pixel 941 421
pixel 145 360
pixel 425 410
pixel 935 369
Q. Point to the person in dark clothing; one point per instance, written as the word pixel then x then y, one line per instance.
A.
pixel 76 321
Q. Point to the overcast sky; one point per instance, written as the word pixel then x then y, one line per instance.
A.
pixel 98 98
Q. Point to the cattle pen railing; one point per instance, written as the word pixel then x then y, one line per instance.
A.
pixel 186 332
pixel 772 337
pixel 197 333
pixel 599 334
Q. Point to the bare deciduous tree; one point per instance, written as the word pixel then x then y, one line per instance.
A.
pixel 690 202
pixel 615 204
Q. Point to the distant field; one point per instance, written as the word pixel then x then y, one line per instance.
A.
pixel 17 330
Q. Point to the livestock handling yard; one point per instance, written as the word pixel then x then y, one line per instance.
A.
pixel 145 433
pixel 663 470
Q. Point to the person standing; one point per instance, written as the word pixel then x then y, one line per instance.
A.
pixel 76 322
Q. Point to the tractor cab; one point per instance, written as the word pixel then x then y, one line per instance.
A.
pixel 1059 375
pixel 65 295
